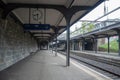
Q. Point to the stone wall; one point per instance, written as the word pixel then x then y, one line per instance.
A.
pixel 15 44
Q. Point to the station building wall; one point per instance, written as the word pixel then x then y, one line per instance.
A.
pixel 15 43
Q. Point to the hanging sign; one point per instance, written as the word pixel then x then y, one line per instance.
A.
pixel 36 27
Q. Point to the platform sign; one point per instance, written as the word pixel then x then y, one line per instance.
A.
pixel 28 27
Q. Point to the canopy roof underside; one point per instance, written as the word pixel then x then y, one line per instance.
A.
pixel 56 19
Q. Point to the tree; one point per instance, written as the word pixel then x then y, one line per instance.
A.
pixel 83 26
pixel 91 26
pixel 87 27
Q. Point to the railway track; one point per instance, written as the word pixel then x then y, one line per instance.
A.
pixel 99 59
pixel 96 66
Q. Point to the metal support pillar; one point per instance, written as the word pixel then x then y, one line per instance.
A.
pixel 48 45
pixel 83 44
pixel 119 43
pixel 73 45
pixel 77 45
pixel 52 46
pixel 80 45
pixel 38 44
pixel 68 44
pixel 108 44
pixel 95 45
pixel 56 46
pixel 118 32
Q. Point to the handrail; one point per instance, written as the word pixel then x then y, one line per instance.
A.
pixel 96 20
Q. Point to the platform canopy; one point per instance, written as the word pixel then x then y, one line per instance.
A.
pixel 52 12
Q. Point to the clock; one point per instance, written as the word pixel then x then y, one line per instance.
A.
pixel 37 14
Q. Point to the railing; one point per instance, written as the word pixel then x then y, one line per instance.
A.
pixel 103 21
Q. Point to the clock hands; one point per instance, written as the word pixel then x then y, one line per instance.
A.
pixel 37 14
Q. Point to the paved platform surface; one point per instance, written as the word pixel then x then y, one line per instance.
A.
pixel 44 65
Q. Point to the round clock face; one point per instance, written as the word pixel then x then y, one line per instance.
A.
pixel 37 14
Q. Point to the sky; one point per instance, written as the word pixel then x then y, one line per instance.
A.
pixel 99 11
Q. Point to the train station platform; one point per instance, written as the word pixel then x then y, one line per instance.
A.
pixel 113 56
pixel 44 65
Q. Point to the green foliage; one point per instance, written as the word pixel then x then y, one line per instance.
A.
pixel 91 26
pixel 87 27
pixel 83 26
pixel 113 46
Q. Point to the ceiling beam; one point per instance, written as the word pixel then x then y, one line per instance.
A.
pixel 94 6
pixel 24 5
pixel 11 6
pixel 68 5
pixel 61 8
